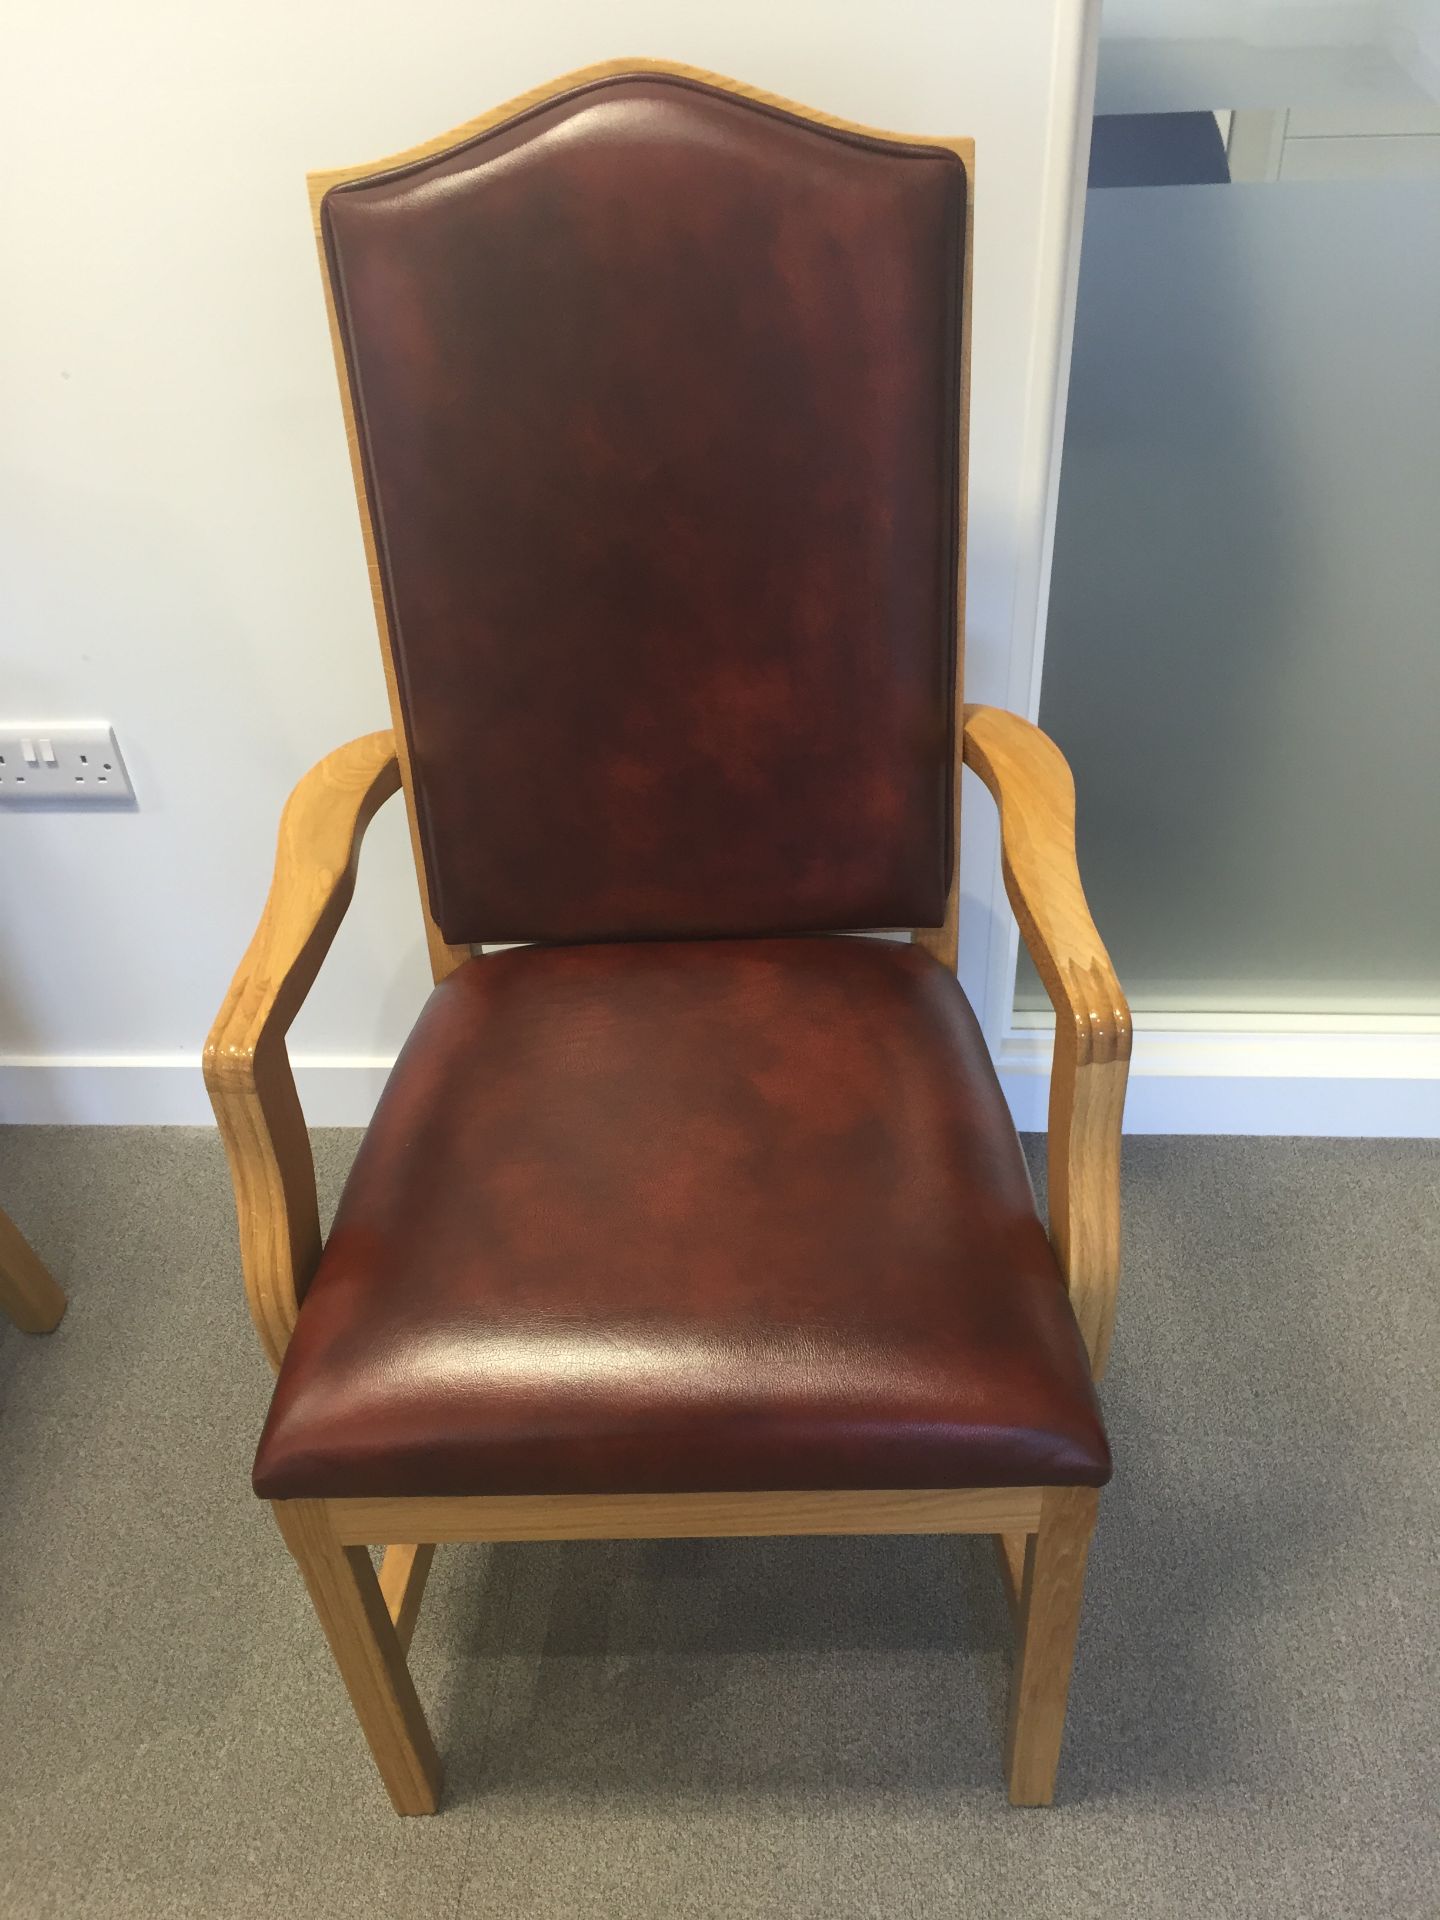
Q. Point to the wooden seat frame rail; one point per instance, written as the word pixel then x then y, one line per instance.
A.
pixel 1042 1534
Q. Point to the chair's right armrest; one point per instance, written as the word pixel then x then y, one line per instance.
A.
pixel 1031 782
pixel 247 1068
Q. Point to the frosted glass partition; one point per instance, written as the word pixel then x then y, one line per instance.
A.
pixel 1243 651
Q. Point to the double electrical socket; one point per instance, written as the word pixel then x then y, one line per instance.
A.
pixel 43 763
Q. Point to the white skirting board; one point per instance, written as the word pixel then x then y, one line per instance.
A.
pixel 1361 1085
pixel 1214 1080
pixel 166 1090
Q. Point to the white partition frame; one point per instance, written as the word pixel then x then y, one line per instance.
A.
pixel 1312 1074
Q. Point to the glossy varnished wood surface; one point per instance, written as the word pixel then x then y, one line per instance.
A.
pixel 247 1068
pixel 1031 782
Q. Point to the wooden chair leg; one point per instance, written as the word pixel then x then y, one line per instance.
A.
pixel 403 1573
pixel 1010 1559
pixel 368 1652
pixel 27 1293
pixel 1049 1619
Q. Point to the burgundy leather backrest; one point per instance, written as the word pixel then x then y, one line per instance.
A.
pixel 657 391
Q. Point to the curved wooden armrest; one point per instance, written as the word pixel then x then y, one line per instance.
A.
pixel 247 1069
pixel 1031 782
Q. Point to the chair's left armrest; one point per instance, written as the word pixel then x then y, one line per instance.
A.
pixel 1028 775
pixel 247 1068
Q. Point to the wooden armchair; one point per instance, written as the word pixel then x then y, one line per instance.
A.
pixel 690 1215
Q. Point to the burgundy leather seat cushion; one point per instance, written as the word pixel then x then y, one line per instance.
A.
pixel 700 1216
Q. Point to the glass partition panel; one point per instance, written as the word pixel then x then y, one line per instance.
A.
pixel 1243 650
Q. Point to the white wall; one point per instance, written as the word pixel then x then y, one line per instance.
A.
pixel 178 544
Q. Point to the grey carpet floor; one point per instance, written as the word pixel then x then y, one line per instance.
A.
pixel 779 1728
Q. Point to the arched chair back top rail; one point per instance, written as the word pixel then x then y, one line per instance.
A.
pixel 686 1216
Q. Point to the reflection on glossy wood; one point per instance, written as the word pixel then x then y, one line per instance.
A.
pixel 28 1295
pixel 247 1068
pixel 1027 774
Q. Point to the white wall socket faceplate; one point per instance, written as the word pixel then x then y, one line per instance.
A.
pixel 43 763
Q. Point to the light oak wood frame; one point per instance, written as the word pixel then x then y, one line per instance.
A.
pixel 1032 785
pixel 1042 1533
pixel 28 1295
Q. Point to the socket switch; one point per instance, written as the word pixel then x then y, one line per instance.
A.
pixel 43 763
